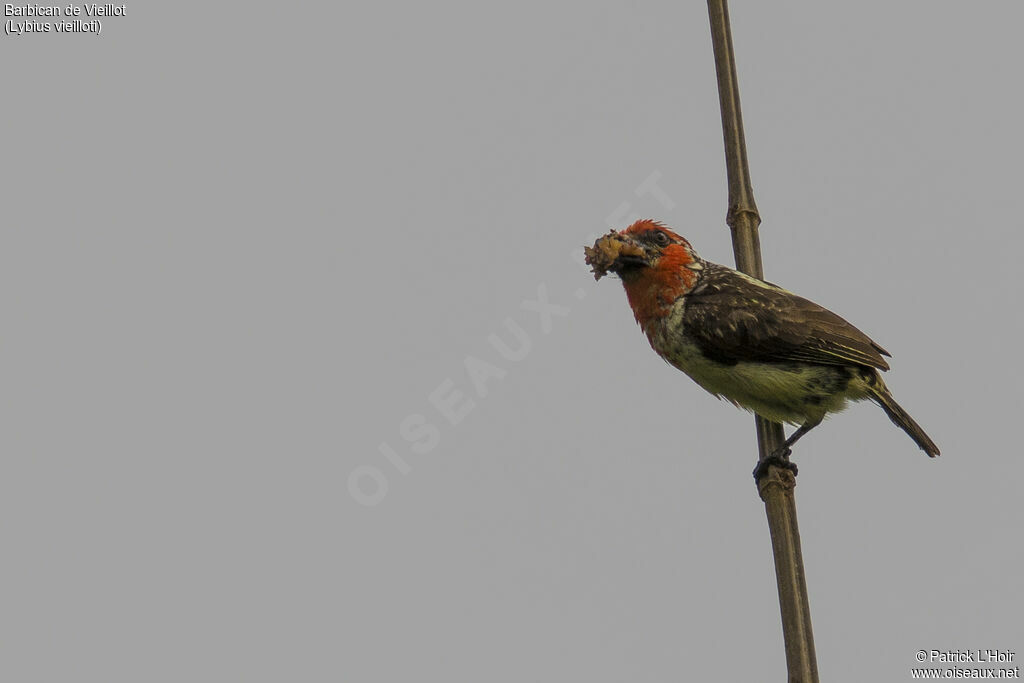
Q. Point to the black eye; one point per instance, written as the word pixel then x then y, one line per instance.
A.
pixel 660 238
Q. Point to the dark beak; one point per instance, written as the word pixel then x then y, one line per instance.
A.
pixel 626 262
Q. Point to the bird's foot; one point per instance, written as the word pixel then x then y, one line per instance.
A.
pixel 779 458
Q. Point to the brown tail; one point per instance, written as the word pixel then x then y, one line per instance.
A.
pixel 902 420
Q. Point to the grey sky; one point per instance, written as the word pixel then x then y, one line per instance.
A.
pixel 245 245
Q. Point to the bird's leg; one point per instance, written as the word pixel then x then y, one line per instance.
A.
pixel 785 449
pixel 780 456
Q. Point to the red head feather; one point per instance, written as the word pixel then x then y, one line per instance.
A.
pixel 670 273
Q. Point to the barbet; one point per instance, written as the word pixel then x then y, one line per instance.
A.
pixel 753 343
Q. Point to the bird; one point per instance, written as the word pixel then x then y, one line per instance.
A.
pixel 745 340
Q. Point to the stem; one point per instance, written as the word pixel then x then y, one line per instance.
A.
pixel 776 488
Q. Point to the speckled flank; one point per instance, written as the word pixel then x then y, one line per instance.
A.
pixel 794 393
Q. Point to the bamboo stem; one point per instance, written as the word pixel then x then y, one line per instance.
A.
pixel 776 488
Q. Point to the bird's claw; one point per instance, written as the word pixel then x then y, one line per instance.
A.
pixel 779 458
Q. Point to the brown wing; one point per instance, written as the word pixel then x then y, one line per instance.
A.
pixel 734 318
